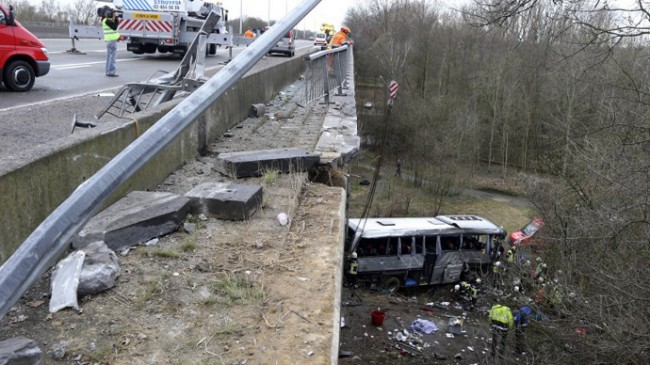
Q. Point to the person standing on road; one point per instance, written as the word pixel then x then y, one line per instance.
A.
pixel 502 321
pixel 111 36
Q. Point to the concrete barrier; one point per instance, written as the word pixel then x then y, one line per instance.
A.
pixel 32 190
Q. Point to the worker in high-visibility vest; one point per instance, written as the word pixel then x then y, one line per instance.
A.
pixel 353 269
pixel 111 36
pixel 502 321
pixel 249 33
pixel 340 37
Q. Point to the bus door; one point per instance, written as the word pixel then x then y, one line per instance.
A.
pixel 449 264
pixel 431 251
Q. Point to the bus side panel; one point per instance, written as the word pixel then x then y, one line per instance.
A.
pixel 447 268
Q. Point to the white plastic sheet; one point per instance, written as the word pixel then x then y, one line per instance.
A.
pixel 65 281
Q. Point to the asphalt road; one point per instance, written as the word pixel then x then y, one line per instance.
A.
pixel 72 75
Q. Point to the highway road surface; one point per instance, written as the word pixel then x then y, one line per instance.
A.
pixel 72 75
pixel 77 85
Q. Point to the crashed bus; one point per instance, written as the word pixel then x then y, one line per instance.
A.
pixel 397 252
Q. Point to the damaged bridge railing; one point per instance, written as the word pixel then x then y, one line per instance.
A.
pixel 325 75
pixel 52 237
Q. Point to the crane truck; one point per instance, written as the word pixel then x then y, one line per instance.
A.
pixel 165 26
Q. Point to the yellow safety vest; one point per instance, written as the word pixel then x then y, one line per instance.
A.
pixel 501 314
pixel 354 267
pixel 110 35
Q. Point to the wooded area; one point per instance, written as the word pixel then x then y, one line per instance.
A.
pixel 553 87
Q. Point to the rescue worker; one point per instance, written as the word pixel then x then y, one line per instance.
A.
pixel 497 274
pixel 340 37
pixel 353 269
pixel 249 33
pixel 521 323
pixel 510 255
pixel 111 36
pixel 502 321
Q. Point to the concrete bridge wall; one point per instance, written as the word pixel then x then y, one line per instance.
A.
pixel 30 191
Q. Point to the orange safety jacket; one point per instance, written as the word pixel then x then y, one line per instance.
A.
pixel 249 34
pixel 338 39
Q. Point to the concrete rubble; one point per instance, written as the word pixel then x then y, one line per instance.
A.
pixel 256 163
pixel 225 201
pixel 99 271
pixel 20 350
pixel 137 218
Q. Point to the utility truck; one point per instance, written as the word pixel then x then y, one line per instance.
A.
pixel 165 26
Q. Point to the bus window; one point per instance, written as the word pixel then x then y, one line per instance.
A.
pixel 393 245
pixel 450 243
pixel 474 242
pixel 418 241
pixel 407 245
pixel 430 244
pixel 372 247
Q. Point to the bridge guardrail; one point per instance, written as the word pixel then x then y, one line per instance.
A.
pixel 326 72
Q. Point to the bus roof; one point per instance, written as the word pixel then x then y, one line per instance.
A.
pixel 472 223
pixel 384 227
pixel 392 227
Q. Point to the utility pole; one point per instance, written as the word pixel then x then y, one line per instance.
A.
pixel 269 15
pixel 241 17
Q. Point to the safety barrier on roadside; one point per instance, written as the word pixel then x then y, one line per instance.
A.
pixel 50 239
pixel 326 74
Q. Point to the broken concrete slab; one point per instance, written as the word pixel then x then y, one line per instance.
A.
pixel 256 163
pixel 100 269
pixel 136 218
pixel 226 201
pixel 337 149
pixel 20 350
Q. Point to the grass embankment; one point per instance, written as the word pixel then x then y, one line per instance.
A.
pixel 398 197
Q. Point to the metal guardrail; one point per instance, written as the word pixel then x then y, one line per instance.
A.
pixel 326 71
pixel 51 238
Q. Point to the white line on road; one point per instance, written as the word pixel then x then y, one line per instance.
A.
pixel 87 64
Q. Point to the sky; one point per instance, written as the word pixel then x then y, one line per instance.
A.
pixel 327 11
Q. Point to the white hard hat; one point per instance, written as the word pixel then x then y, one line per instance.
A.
pixel 540 279
pixel 478 280
pixel 354 255
pixel 539 259
pixel 517 288
pixel 544 266
pixel 498 263
pixel 456 287
pixel 527 262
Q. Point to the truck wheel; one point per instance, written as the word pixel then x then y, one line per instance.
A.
pixel 391 284
pixel 19 76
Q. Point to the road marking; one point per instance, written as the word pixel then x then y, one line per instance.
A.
pixel 88 64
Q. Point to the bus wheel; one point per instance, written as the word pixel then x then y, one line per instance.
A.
pixel 391 284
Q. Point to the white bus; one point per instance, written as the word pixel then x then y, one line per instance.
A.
pixel 396 252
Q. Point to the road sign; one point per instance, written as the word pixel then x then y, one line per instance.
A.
pixel 393 87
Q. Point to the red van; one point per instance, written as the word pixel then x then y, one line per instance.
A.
pixel 23 57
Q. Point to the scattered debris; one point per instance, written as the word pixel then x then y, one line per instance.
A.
pixel 65 281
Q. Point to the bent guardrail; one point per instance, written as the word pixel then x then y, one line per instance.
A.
pixel 51 237
pixel 326 71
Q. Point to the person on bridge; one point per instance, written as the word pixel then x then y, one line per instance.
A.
pixel 249 33
pixel 111 36
pixel 340 38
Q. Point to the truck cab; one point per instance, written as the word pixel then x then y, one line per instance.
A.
pixel 23 57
